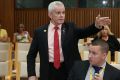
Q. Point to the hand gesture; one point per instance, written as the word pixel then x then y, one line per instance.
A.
pixel 102 21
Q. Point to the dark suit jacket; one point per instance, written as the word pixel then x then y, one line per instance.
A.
pixel 80 68
pixel 69 39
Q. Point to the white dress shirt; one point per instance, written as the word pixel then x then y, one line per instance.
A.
pixel 93 71
pixel 51 31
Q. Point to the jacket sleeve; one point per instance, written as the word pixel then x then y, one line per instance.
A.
pixel 116 43
pixel 86 32
pixel 32 55
pixel 71 75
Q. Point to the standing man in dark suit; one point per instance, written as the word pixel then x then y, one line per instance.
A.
pixel 96 68
pixel 57 44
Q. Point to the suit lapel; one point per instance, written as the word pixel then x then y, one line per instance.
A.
pixel 107 72
pixel 64 31
pixel 85 69
pixel 45 37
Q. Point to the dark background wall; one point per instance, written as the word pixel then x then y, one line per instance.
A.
pixel 7 15
pixel 10 17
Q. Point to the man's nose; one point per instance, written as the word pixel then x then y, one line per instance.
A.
pixel 89 56
pixel 62 14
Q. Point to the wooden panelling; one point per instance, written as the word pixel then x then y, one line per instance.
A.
pixel 31 18
pixel 7 15
pixel 34 18
pixel 1 11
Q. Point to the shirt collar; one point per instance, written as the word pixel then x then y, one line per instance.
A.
pixel 103 65
pixel 52 25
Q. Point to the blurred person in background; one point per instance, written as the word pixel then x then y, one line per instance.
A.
pixel 3 35
pixel 21 35
pixel 109 37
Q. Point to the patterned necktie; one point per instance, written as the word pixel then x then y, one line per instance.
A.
pixel 56 49
pixel 97 69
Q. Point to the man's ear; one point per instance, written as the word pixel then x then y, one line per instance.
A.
pixel 49 14
pixel 105 55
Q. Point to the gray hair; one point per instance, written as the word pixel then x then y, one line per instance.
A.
pixel 53 4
